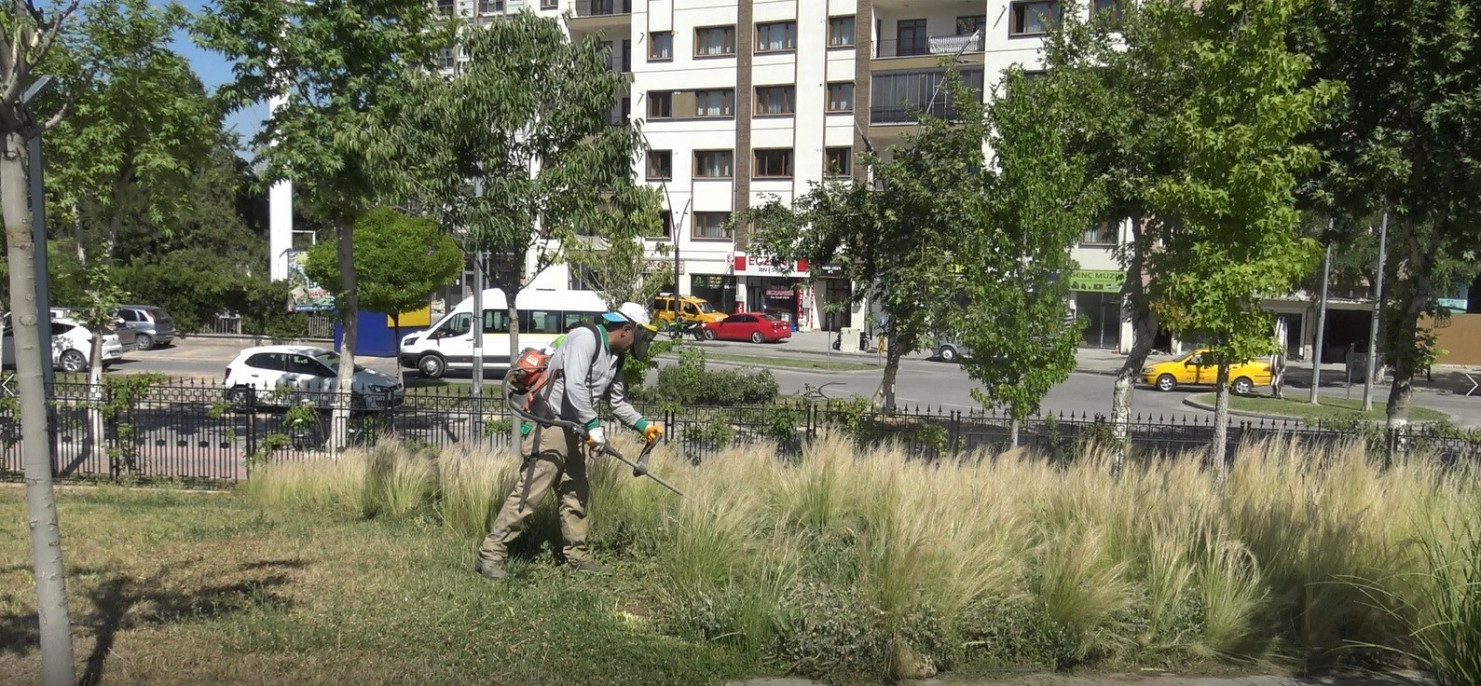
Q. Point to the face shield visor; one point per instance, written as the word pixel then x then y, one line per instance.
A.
pixel 642 337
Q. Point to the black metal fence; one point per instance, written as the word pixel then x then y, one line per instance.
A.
pixel 194 433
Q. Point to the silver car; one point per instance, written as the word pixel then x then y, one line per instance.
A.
pixel 152 326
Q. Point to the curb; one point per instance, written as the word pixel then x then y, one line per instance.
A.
pixel 1190 402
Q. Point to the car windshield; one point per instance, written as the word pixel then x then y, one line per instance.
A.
pixel 705 306
pixel 772 318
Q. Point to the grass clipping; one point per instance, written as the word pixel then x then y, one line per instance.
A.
pixel 845 565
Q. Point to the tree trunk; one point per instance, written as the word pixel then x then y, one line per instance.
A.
pixel 514 423
pixel 891 371
pixel 396 331
pixel 41 508
pixel 1013 430
pixel 1402 336
pixel 97 434
pixel 1218 452
pixel 349 322
pixel 1144 330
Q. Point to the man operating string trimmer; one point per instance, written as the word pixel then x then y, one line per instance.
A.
pixel 586 366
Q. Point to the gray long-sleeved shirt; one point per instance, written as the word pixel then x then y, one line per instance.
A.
pixel 588 374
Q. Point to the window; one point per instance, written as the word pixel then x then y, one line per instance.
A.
pixel 666 225
pixel 661 46
pixel 496 321
pixel 660 165
pixel 1102 234
pixel 966 26
pixel 537 321
pixel 776 99
pixel 1114 9
pixel 776 36
pixel 840 97
pixel 712 225
pixel 457 325
pixel 715 40
pixel 1034 18
pixel 128 315
pixel 911 38
pixel 713 164
pixel 839 161
pixel 446 58
pixel 660 104
pixel 270 361
pixel 303 364
pixel 773 163
pixel 840 32
pixel 446 7
pixel 549 4
pixel 716 103
pixel 490 6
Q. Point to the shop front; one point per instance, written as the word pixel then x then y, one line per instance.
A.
pixel 718 289
pixel 1097 299
pixel 777 289
pixel 835 298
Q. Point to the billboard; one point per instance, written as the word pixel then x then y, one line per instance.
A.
pixel 306 295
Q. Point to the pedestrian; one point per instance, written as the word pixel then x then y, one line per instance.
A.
pixel 1278 376
pixel 585 367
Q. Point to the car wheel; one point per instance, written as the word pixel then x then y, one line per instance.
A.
pixel 431 366
pixel 74 362
pixel 144 341
pixel 947 353
pixel 756 337
pixel 239 397
pixel 1166 382
pixel 709 334
pixel 1243 385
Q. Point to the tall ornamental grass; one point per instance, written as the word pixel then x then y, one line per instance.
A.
pixel 848 564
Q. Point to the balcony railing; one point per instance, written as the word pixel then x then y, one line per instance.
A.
pixel 935 45
pixel 908 114
pixel 603 8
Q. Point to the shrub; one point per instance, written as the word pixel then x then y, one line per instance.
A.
pixel 689 383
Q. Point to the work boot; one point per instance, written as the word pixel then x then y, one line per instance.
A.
pixel 493 570
pixel 587 567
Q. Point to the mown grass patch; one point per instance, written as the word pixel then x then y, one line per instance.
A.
pixel 1331 409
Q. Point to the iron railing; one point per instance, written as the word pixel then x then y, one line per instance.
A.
pixel 940 46
pixel 197 433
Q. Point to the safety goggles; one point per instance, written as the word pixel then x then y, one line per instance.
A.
pixel 643 335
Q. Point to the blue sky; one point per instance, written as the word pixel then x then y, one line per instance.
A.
pixel 214 70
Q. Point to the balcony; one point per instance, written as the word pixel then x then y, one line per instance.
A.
pixel 934 46
pixel 893 115
pixel 896 97
pixel 594 16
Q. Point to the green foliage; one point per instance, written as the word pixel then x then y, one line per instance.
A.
pixel 195 295
pixel 690 384
pixel 400 261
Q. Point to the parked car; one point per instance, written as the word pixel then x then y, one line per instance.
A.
pixel 756 327
pixel 668 309
pixel 152 326
pixel 284 375
pixel 949 350
pixel 71 345
pixel 1199 369
pixel 126 336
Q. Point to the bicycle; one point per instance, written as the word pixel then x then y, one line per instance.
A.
pixel 813 393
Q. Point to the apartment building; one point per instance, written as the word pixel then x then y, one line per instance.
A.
pixel 743 101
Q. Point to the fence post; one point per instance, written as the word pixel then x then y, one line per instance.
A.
pixel 251 410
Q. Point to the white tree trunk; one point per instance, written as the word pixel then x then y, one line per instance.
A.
pixel 97 434
pixel 514 437
pixel 1144 325
pixel 57 667
pixel 349 320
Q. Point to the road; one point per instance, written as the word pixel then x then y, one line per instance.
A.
pixel 921 382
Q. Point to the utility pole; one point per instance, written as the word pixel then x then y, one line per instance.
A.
pixel 1377 311
pixel 476 328
pixel 1321 327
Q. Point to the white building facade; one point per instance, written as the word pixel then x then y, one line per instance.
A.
pixel 743 101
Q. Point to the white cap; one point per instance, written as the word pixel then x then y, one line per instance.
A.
pixel 632 312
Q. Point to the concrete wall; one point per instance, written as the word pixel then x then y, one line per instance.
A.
pixel 1461 337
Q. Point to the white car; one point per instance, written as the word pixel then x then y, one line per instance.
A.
pixel 284 375
pixel 71 345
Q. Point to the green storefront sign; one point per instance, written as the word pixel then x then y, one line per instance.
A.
pixel 1097 280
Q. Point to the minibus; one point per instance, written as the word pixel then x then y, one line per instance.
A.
pixel 543 315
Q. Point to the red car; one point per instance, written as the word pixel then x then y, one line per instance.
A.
pixel 756 327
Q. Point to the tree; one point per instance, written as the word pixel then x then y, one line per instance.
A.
pixel 400 262
pixel 613 260
pixel 1403 141
pixel 1022 216
pixel 1236 235
pixel 335 62
pixel 30 33
pixel 900 242
pixel 515 151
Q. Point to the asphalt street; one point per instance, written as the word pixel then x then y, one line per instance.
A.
pixel 921 382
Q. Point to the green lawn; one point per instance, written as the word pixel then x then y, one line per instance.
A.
pixel 171 587
pixel 822 364
pixel 1295 405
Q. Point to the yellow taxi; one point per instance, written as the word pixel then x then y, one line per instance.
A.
pixel 668 309
pixel 1199 369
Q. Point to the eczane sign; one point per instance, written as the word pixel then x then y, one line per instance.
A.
pixel 760 265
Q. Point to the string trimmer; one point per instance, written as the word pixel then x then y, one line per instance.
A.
pixel 640 468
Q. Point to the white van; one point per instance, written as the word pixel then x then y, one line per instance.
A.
pixel 543 315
